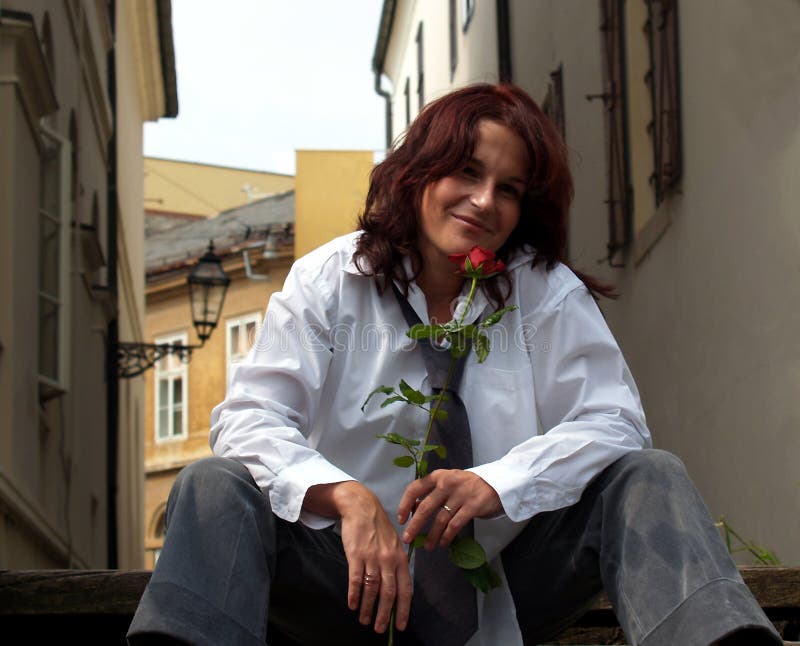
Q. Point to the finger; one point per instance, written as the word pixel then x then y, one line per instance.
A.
pixel 386 597
pixel 455 524
pixel 371 584
pixel 403 597
pixel 426 509
pixel 416 490
pixel 355 580
pixel 440 523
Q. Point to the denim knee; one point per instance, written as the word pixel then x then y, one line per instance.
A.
pixel 216 483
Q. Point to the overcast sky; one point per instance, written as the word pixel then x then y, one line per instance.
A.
pixel 258 79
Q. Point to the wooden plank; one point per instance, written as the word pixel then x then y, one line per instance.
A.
pixel 113 593
pixel 64 592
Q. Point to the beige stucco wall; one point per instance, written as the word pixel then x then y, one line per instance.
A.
pixel 52 467
pixel 477 52
pixel 709 323
pixel 175 186
pixel 168 313
pixel 705 319
pixel 331 186
pixel 53 478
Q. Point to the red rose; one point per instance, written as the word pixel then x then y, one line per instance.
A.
pixel 478 263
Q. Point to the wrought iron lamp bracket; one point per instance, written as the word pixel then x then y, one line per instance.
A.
pixel 135 358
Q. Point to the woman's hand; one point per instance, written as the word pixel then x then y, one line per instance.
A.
pixel 377 561
pixel 453 498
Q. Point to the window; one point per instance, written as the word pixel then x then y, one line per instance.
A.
pixel 172 377
pixel 241 334
pixel 642 120
pixel 616 138
pixel 54 218
pixel 467 10
pixel 453 39
pixel 662 34
pixel 553 104
pixel 420 71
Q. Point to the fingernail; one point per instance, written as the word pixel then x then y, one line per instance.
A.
pixel 406 537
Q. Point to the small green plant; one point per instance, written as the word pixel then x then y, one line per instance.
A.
pixel 762 554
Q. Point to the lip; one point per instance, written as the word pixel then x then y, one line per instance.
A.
pixel 473 222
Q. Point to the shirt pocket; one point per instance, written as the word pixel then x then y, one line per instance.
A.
pixel 501 405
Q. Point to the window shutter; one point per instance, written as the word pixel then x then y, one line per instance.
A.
pixel 618 190
pixel 553 104
pixel 665 128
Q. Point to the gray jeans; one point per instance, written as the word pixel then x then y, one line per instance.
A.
pixel 231 572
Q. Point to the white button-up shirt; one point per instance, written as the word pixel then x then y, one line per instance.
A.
pixel 552 406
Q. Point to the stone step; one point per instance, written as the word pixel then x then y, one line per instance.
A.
pixel 96 606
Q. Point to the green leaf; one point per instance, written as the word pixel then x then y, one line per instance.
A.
pixel 414 396
pixel 467 553
pixel 484 578
pixel 439 414
pixel 419 541
pixel 420 331
pixel 470 331
pixel 386 390
pixel 439 449
pixel 459 351
pixel 441 395
pixel 404 461
pixel 396 438
pixel 494 318
pixel 422 468
pixel 479 578
pixel 392 400
pixel 482 347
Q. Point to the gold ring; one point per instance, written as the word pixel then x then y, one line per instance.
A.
pixel 372 579
pixel 449 510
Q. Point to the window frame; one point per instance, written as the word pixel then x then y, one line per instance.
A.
pixel 239 321
pixel 59 146
pixel 179 338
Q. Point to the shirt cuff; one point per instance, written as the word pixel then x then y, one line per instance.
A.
pixel 288 490
pixel 497 476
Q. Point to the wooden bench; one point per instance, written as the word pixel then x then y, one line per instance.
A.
pixel 96 606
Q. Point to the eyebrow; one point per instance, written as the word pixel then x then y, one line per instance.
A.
pixel 516 180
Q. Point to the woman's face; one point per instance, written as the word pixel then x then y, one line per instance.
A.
pixel 479 204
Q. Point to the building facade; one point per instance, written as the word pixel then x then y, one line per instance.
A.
pixel 79 79
pixel 681 119
pixel 257 241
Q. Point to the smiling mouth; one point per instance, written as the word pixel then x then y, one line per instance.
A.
pixel 472 222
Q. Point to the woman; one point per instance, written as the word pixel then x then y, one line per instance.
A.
pixel 561 495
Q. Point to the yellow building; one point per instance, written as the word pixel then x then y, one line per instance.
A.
pixel 258 243
pixel 179 187
pixel 78 81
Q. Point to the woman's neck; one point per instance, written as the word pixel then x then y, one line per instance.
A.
pixel 440 285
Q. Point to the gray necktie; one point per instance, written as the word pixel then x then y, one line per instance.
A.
pixel 444 609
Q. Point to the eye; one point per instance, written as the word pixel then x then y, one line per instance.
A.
pixel 469 172
pixel 510 190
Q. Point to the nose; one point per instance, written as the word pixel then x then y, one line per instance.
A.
pixel 482 196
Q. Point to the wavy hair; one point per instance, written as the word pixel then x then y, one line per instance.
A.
pixel 440 142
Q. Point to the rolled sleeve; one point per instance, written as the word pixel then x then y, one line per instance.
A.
pixel 274 394
pixel 588 407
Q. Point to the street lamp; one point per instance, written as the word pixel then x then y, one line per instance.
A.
pixel 208 283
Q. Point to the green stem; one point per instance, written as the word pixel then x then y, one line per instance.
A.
pixel 432 416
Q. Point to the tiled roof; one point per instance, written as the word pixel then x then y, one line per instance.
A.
pixel 167 247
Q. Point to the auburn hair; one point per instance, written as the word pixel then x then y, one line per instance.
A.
pixel 440 142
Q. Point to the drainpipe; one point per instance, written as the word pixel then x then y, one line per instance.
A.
pixel 378 58
pixel 388 98
pixel 112 378
pixel 504 42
